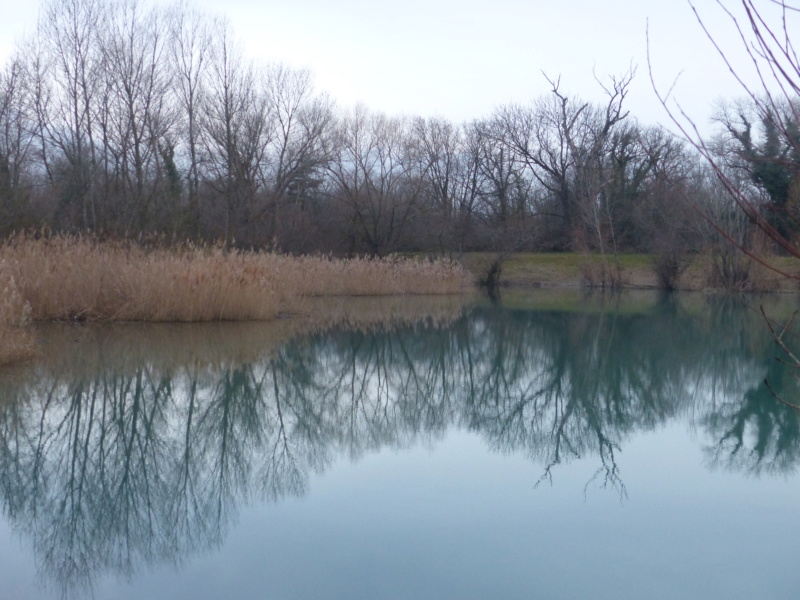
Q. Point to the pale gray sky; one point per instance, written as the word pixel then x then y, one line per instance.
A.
pixel 461 59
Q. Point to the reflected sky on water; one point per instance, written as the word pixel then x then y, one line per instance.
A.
pixel 549 446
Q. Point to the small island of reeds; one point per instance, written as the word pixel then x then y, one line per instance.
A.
pixel 79 279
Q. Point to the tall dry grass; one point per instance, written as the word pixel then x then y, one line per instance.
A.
pixel 320 276
pixel 77 279
pixel 16 341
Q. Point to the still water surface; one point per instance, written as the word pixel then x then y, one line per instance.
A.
pixel 548 447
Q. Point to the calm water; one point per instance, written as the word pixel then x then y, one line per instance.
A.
pixel 548 447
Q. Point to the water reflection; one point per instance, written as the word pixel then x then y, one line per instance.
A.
pixel 132 445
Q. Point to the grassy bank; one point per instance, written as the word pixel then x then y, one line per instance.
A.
pixel 636 271
pixel 75 279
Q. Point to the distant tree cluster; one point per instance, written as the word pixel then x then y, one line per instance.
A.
pixel 131 121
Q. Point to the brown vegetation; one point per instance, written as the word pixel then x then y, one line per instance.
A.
pixel 16 342
pixel 76 279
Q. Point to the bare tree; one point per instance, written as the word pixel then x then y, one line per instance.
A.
pixel 73 63
pixel 140 118
pixel 303 123
pixel 564 142
pixel 472 185
pixel 439 143
pixel 504 197
pixel 16 142
pixel 40 96
pixel 653 211
pixel 189 48
pixel 237 130
pixel 374 179
pixel 588 132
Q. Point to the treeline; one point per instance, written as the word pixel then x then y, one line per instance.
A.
pixel 126 120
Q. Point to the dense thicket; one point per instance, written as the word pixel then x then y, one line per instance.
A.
pixel 131 121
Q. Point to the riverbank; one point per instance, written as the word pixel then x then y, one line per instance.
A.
pixel 635 271
pixel 77 280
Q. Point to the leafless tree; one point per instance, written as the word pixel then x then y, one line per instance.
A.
pixel 189 48
pixel 16 142
pixel 505 197
pixel 237 130
pixel 374 179
pixel 304 124
pixel 564 142
pixel 472 185
pixel 439 143
pixel 73 63
pixel 655 175
pixel 139 117
pixel 588 133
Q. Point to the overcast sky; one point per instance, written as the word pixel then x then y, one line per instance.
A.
pixel 461 59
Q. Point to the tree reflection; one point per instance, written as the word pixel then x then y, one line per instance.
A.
pixel 755 432
pixel 129 458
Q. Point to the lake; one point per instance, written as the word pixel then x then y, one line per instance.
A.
pixel 551 445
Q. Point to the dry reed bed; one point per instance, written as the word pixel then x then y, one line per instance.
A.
pixel 16 342
pixel 76 279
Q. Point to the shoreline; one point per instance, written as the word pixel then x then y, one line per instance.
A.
pixel 636 272
pixel 76 280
